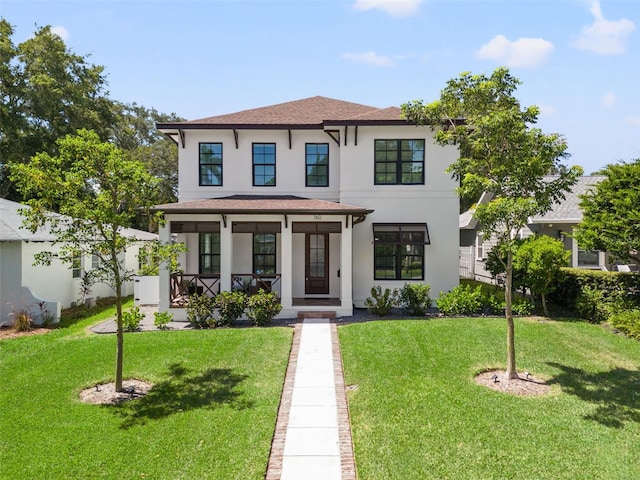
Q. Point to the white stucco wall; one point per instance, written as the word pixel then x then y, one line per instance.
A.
pixel 434 203
pixel 237 164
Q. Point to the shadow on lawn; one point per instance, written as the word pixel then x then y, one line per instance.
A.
pixel 184 390
pixel 615 393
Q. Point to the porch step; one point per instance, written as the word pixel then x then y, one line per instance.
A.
pixel 317 314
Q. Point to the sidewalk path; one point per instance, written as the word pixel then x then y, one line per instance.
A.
pixel 313 436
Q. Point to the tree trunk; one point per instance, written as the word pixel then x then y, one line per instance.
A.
pixel 120 340
pixel 508 298
pixel 544 305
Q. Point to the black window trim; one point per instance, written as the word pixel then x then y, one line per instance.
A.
pixel 253 163
pixel 200 164
pixel 399 161
pixel 399 228
pixel 306 165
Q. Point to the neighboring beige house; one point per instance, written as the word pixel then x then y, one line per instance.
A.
pixel 25 286
pixel 316 199
pixel 558 223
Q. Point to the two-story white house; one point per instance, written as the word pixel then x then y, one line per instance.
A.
pixel 317 199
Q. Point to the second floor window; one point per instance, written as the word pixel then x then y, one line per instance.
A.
pixel 264 164
pixel 399 162
pixel 209 253
pixel 317 164
pixel 210 164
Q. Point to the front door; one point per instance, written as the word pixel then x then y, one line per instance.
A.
pixel 317 263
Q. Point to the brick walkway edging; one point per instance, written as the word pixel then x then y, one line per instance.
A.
pixel 274 467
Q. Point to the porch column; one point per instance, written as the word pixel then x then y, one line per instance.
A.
pixel 226 257
pixel 164 235
pixel 286 265
pixel 346 264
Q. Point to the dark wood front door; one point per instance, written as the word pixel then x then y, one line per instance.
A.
pixel 317 263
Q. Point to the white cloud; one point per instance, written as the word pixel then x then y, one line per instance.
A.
pixel 609 99
pixel 603 36
pixel 62 32
pixel 524 52
pixel 395 8
pixel 633 120
pixel 546 110
pixel 369 58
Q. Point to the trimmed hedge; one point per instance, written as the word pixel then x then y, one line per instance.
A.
pixel 574 284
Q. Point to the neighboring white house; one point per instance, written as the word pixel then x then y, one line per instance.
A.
pixel 558 223
pixel 25 286
pixel 317 199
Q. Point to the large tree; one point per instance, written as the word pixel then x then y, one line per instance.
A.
pixel 135 131
pixel 47 92
pixel 99 191
pixel 611 213
pixel 501 153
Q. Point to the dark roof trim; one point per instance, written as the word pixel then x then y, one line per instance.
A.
pixel 258 211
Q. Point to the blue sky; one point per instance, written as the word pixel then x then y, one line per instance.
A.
pixel 579 60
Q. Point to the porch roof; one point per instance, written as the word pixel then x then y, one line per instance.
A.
pixel 262 204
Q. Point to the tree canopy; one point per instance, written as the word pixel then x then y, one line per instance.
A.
pixel 611 213
pixel 47 91
pixel 99 191
pixel 501 153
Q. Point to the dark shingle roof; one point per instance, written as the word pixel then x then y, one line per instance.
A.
pixel 313 112
pixel 568 210
pixel 261 204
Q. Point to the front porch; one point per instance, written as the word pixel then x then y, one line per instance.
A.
pixel 300 249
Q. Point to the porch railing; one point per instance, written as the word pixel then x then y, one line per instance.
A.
pixel 182 285
pixel 251 283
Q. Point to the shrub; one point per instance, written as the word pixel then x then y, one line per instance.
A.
pixel 262 307
pixel 382 302
pixel 462 300
pixel 494 304
pixel 591 305
pixel 521 306
pixel 45 317
pixel 162 319
pixel 200 310
pixel 22 320
pixel 628 322
pixel 230 306
pixel 131 319
pixel 414 298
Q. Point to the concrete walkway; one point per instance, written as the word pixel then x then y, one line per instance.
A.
pixel 313 437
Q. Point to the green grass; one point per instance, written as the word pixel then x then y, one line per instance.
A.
pixel 211 413
pixel 418 414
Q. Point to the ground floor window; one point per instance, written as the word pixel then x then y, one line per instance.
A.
pixel 399 251
pixel 76 265
pixel 264 253
pixel 209 253
pixel 588 258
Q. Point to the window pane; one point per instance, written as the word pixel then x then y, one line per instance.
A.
pixel 317 161
pixel 211 164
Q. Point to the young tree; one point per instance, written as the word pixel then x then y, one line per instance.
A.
pixel 540 259
pixel 98 191
pixel 502 154
pixel 611 213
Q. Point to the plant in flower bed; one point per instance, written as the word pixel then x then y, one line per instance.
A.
pixel 381 302
pixel 131 319
pixel 161 319
pixel 263 307
pixel 415 299
pixel 230 306
pixel 200 311
pixel 462 300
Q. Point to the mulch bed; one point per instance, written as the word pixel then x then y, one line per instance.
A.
pixel 526 385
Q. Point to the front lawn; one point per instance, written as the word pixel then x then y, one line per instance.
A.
pixel 418 414
pixel 211 413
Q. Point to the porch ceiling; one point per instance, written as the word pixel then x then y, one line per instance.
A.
pixel 262 204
